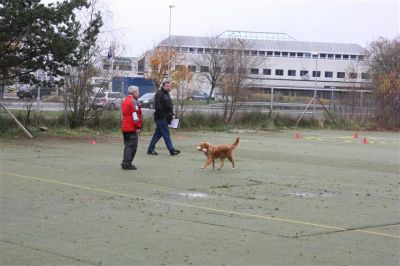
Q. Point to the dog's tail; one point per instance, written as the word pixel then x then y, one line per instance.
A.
pixel 235 144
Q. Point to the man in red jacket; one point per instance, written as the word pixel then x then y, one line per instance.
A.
pixel 131 125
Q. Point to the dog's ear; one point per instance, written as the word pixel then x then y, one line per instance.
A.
pixel 201 146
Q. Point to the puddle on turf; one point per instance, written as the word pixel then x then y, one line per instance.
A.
pixel 194 195
pixel 311 195
pixel 303 194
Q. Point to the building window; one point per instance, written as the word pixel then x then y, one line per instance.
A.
pixel 292 73
pixel 292 54
pixel 365 75
pixel 353 57
pixel 254 52
pixel 217 69
pixel 207 50
pixel 307 55
pixel 261 53
pixel 330 56
pixel 316 74
pixel 200 50
pixel 192 68
pixel 338 56
pixel 254 71
pixel 284 54
pixel 179 67
pixel 303 72
pixel 242 70
pixel 328 74
pixel 184 49
pixel 266 71
pixel 127 68
pixel 300 54
pixel 345 56
pixel 229 70
pixel 224 51
pixel 322 55
pixel 192 50
pixel 246 52
pixel 277 53
pixel 352 75
pixel 269 53
pixel 340 75
pixel 361 58
pixel 278 72
pixel 204 69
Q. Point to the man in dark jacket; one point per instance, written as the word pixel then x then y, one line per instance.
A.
pixel 131 125
pixel 163 116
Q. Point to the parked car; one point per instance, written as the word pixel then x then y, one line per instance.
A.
pixel 198 95
pixel 147 100
pixel 27 91
pixel 108 100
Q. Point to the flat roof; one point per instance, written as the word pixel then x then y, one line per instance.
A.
pixel 271 45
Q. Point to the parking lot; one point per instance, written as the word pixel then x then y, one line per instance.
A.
pixel 324 198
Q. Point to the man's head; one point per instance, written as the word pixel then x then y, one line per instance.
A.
pixel 133 90
pixel 166 85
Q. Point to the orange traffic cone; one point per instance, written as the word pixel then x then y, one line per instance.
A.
pixel 355 135
pixel 93 142
pixel 297 135
pixel 365 141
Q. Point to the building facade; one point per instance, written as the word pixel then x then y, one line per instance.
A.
pixel 287 65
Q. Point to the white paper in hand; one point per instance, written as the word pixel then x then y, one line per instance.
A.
pixel 174 123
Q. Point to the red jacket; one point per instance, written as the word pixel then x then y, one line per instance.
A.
pixel 131 114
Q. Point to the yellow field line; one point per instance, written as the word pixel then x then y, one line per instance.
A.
pixel 199 207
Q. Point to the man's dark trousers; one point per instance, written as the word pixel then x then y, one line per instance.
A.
pixel 130 143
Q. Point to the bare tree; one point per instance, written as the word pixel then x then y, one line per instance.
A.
pixel 27 110
pixel 182 84
pixel 352 96
pixel 212 62
pixel 78 82
pixel 238 62
pixel 384 60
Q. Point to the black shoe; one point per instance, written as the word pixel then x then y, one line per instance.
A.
pixel 129 167
pixel 174 152
pixel 153 152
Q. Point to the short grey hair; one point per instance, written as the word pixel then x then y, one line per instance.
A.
pixel 133 89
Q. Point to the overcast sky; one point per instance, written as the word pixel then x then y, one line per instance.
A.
pixel 140 24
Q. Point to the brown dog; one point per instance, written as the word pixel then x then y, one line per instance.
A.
pixel 213 152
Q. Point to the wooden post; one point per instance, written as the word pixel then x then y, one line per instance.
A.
pixel 16 121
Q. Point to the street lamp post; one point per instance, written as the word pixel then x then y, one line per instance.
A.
pixel 169 41
pixel 315 80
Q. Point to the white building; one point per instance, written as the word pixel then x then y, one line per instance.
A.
pixel 289 65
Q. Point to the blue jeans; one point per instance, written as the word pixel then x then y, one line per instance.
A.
pixel 162 130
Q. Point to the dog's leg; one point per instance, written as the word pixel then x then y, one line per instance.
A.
pixel 213 163
pixel 222 163
pixel 230 158
pixel 206 164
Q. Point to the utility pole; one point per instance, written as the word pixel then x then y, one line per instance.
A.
pixel 169 41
